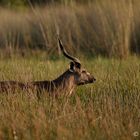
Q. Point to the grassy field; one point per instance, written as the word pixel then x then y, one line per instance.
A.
pixel 107 109
pixel 105 35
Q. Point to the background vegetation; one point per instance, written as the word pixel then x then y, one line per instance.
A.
pixel 108 28
pixel 40 2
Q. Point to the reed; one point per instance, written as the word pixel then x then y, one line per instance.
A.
pixel 108 28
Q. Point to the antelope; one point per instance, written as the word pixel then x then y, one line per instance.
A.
pixel 74 76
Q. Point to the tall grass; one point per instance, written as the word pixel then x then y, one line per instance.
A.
pixel 107 109
pixel 109 28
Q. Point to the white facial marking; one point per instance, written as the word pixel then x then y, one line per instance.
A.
pixel 88 73
pixel 70 70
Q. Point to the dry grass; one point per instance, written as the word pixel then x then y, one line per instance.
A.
pixel 108 28
pixel 108 109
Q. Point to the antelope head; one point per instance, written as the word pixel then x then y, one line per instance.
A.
pixel 81 76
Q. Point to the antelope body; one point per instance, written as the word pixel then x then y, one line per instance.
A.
pixel 65 83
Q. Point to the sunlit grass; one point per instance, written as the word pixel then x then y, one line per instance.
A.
pixel 107 109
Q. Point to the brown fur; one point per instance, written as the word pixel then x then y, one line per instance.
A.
pixel 65 83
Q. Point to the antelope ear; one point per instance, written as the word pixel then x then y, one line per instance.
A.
pixel 72 67
pixel 78 65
